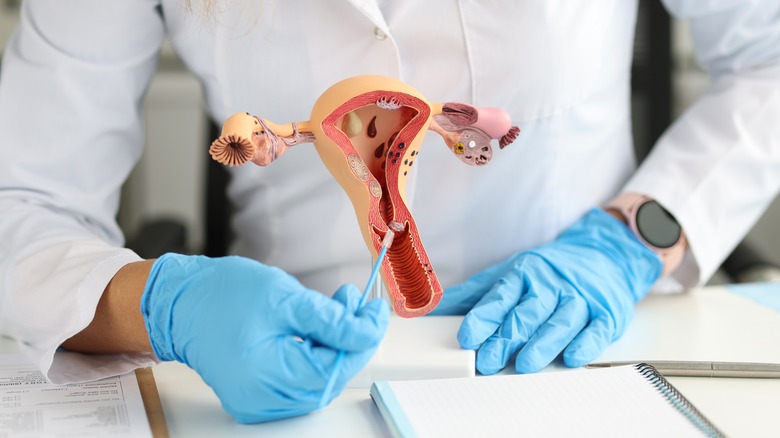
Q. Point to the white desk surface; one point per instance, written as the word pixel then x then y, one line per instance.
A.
pixel 705 324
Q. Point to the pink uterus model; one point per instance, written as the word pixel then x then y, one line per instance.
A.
pixel 368 131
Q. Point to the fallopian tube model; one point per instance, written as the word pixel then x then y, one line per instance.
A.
pixel 368 131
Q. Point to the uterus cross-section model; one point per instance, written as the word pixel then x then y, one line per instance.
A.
pixel 368 131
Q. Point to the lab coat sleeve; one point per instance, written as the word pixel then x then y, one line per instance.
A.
pixel 717 168
pixel 71 84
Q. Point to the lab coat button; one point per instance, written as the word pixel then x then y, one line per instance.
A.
pixel 379 33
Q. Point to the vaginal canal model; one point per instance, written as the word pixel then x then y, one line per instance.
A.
pixel 368 131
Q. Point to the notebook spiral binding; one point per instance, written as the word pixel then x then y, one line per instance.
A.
pixel 678 400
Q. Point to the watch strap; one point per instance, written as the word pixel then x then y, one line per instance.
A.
pixel 628 204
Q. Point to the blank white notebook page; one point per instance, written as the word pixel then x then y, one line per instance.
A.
pixel 601 402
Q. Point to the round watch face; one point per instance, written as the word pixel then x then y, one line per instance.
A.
pixel 657 226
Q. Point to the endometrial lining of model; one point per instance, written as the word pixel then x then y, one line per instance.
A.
pixel 368 131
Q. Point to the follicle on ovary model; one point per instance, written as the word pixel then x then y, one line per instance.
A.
pixel 380 134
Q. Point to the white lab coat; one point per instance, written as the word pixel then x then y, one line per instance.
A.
pixel 74 73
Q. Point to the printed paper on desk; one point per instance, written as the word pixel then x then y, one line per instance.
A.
pixel 30 406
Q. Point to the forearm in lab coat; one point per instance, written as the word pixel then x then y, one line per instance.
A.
pixel 717 168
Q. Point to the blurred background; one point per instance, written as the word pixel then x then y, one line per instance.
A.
pixel 167 205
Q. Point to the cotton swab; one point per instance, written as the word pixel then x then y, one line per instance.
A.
pixel 387 241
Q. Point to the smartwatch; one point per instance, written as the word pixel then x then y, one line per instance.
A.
pixel 655 227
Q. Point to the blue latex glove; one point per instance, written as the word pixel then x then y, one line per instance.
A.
pixel 261 340
pixel 575 294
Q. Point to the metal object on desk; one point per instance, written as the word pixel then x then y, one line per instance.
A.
pixel 703 368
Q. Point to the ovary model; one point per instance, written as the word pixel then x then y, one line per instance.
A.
pixel 368 131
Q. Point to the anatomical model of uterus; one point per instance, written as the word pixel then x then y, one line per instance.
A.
pixel 368 131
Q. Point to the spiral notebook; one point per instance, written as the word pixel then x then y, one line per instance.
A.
pixel 633 400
